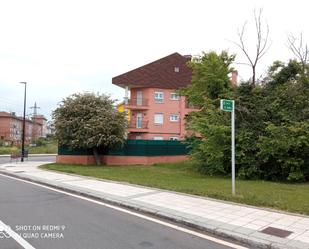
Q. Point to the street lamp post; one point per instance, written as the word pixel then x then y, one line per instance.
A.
pixel 24 124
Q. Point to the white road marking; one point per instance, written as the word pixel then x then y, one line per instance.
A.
pixel 15 236
pixel 179 228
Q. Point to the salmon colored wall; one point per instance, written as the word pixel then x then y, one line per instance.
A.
pixel 121 160
pixel 168 107
pixel 5 128
pixel 85 160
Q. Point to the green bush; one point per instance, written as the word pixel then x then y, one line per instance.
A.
pixel 285 149
pixel 272 124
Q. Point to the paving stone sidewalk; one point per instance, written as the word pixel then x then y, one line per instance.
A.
pixel 240 222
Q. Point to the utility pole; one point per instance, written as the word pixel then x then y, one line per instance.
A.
pixel 34 115
pixel 35 109
pixel 24 124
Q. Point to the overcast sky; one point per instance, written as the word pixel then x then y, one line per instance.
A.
pixel 61 46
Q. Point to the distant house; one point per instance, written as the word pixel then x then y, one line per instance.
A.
pixel 156 112
pixel 11 128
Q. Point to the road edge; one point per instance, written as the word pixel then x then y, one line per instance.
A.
pixel 251 242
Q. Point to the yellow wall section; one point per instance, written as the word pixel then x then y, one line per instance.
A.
pixel 120 108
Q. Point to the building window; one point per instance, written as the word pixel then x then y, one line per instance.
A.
pixel 174 138
pixel 159 97
pixel 174 118
pixel 157 138
pixel 174 96
pixel 158 118
pixel 138 137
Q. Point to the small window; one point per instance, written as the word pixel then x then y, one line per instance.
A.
pixel 138 137
pixel 174 118
pixel 176 69
pixel 157 138
pixel 159 97
pixel 174 96
pixel 174 138
pixel 158 118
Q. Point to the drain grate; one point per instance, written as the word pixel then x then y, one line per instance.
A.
pixel 276 232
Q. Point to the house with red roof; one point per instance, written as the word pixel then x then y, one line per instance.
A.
pixel 156 112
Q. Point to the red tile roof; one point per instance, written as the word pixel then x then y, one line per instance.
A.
pixel 160 73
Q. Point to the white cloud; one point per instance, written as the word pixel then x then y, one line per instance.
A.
pixel 62 47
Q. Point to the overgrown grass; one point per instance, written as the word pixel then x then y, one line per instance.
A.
pixel 50 148
pixel 8 150
pixel 182 177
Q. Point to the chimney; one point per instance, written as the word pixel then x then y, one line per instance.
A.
pixel 234 77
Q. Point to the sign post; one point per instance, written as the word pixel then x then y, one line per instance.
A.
pixel 229 106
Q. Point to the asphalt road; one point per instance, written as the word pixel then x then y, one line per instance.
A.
pixel 7 159
pixel 48 219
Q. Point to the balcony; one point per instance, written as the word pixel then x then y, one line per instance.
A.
pixel 138 104
pixel 138 126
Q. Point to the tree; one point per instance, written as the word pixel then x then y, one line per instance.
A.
pixel 210 77
pixel 272 126
pixel 210 82
pixel 262 43
pixel 300 50
pixel 89 121
pixel 272 121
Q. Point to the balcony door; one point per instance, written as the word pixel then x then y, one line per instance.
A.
pixel 139 98
pixel 139 118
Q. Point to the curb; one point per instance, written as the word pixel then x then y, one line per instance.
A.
pixel 175 192
pixel 247 241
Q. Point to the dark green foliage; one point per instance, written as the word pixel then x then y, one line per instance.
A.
pixel 210 77
pixel 284 151
pixel 272 126
pixel 210 83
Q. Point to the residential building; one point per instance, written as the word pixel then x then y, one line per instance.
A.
pixel 11 127
pixel 156 110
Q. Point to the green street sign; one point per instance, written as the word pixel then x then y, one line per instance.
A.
pixel 227 105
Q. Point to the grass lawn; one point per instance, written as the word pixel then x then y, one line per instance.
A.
pixel 182 177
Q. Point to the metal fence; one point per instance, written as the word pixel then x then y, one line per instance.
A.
pixel 136 148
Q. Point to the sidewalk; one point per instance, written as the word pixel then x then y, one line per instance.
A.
pixel 8 155
pixel 240 222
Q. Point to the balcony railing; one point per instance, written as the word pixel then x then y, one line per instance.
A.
pixel 138 102
pixel 136 124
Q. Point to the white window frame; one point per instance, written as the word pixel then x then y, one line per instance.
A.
pixel 156 95
pixel 139 120
pixel 156 120
pixel 174 96
pixel 174 120
pixel 174 138
pixel 158 138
